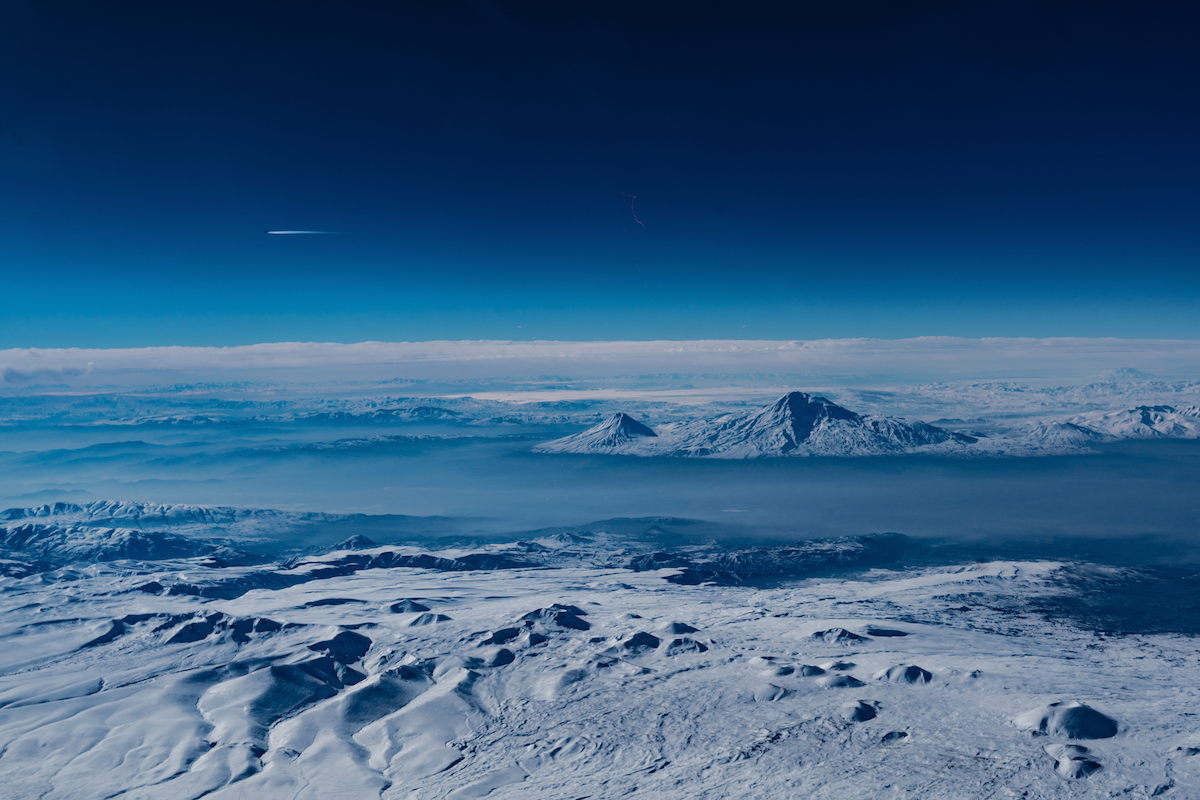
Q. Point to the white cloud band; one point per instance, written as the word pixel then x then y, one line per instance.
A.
pixel 850 360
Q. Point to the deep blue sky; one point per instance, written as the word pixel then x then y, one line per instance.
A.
pixel 804 169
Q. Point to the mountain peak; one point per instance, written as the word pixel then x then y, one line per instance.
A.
pixel 622 423
pixel 616 430
pixel 802 403
pixel 797 414
pixel 1124 374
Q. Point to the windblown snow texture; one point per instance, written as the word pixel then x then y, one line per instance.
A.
pixel 576 664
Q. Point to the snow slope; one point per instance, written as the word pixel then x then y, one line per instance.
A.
pixel 614 433
pixel 1143 422
pixel 601 682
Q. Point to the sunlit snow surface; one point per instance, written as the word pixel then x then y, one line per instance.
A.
pixel 578 682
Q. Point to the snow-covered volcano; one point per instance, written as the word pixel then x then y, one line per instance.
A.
pixel 616 431
pixel 803 424
pixel 797 424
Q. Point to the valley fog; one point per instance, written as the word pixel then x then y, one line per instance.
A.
pixel 1131 490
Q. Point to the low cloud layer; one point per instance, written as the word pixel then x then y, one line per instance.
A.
pixel 844 361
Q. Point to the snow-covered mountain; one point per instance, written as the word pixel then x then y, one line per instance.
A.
pixel 1056 437
pixel 48 537
pixel 48 546
pixel 1143 422
pixel 804 424
pixel 797 424
pixel 283 531
pixel 154 516
pixel 1081 433
pixel 1125 375
pixel 613 433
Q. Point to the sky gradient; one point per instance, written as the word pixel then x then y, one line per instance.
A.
pixel 837 169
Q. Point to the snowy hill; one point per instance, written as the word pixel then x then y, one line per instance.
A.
pixel 144 516
pixel 47 546
pixel 798 424
pixel 262 529
pixel 1143 422
pixel 1058 436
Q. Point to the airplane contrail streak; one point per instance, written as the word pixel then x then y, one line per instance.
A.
pixel 297 233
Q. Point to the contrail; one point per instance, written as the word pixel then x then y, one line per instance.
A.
pixel 298 233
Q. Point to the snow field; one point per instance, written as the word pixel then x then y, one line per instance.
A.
pixel 583 682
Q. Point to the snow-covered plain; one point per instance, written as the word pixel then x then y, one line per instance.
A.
pixel 584 678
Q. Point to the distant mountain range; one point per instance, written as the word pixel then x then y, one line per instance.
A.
pixel 47 538
pixel 797 424
pixel 35 547
pixel 802 424
pixel 1143 422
